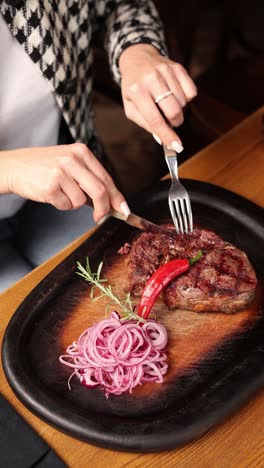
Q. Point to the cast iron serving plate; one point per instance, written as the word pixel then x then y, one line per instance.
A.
pixel 215 360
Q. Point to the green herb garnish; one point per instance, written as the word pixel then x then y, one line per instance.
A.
pixel 106 291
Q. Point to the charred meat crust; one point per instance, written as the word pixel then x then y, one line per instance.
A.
pixel 223 280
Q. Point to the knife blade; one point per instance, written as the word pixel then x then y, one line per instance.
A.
pixel 138 222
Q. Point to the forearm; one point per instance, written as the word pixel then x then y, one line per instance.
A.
pixel 132 22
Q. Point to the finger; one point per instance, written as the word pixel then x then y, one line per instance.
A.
pixel 172 82
pixel 150 112
pixel 53 192
pixel 115 197
pixel 172 110
pixel 185 81
pixel 73 191
pixel 59 200
pixel 89 183
pixel 169 105
pixel 91 162
pixel 133 114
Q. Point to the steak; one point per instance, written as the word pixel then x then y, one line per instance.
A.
pixel 223 280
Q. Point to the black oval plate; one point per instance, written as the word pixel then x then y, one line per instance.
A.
pixel 201 400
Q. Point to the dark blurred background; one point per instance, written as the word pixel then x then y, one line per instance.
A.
pixel 221 44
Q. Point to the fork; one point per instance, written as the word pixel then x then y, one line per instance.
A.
pixel 179 200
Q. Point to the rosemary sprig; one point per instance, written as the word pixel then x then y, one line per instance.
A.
pixel 106 290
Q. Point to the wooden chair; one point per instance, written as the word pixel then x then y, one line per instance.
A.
pixel 231 88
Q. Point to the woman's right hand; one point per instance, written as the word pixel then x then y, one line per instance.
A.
pixel 64 176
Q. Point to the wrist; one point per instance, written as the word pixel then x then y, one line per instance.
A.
pixel 5 172
pixel 132 53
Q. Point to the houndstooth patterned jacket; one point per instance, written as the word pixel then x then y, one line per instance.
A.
pixel 57 35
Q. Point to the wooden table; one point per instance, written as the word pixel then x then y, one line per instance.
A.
pixel 236 162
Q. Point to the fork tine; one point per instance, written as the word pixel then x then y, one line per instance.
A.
pixel 189 213
pixel 179 201
pixel 178 210
pixel 182 202
pixel 174 217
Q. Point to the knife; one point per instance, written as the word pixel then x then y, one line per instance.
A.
pixel 138 222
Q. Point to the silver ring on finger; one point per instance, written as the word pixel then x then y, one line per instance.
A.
pixel 163 96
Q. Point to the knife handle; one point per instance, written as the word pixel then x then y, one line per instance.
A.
pixel 118 215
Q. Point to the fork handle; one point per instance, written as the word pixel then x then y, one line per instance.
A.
pixel 172 162
pixel 169 153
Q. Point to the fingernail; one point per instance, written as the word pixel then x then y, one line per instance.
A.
pixel 158 140
pixel 125 208
pixel 176 146
pixel 103 219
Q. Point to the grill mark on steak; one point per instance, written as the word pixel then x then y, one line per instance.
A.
pixel 222 280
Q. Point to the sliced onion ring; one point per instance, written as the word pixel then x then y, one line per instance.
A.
pixel 117 356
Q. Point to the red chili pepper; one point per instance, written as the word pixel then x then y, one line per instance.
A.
pixel 160 279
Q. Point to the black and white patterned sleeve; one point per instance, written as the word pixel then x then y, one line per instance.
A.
pixel 130 22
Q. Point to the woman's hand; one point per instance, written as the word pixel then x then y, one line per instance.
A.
pixel 147 75
pixel 64 176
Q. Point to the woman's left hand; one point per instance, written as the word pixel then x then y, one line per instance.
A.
pixel 145 77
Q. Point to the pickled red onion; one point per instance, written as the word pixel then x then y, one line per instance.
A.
pixel 118 355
